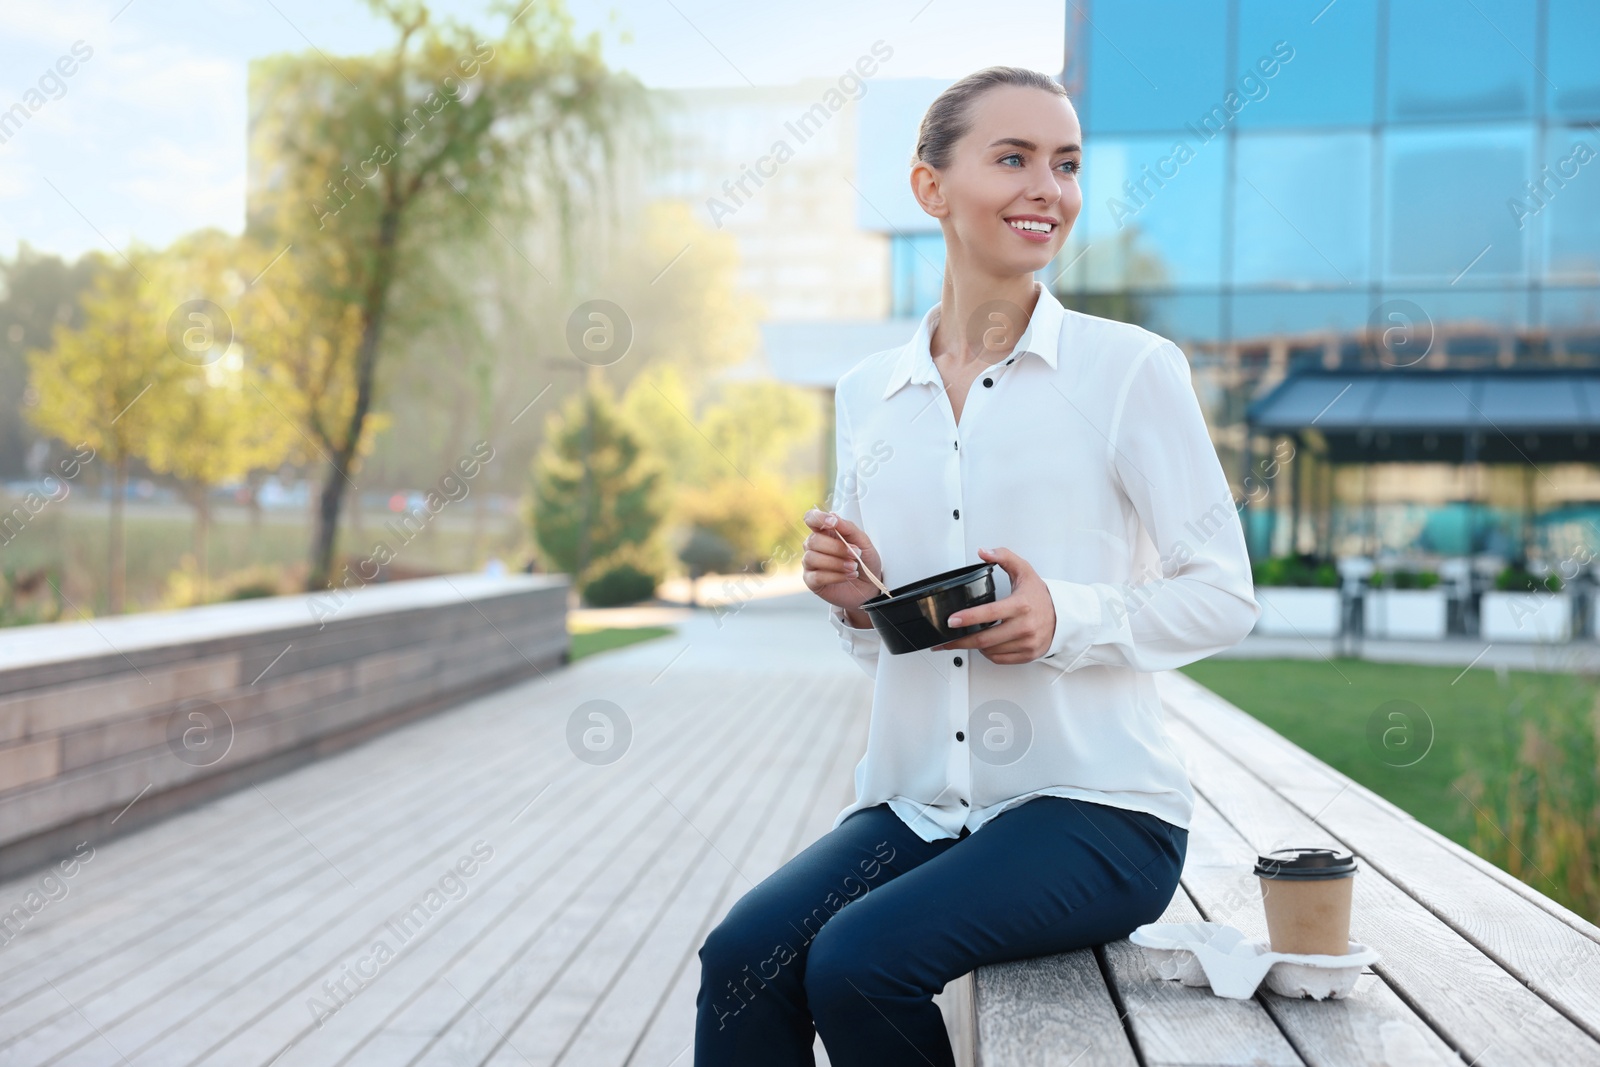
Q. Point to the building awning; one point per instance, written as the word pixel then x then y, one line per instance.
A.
pixel 1378 415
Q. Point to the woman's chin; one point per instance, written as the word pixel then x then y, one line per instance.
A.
pixel 1026 260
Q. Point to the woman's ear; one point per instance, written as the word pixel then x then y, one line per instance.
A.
pixel 925 186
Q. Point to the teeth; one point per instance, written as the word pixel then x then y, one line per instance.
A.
pixel 1026 224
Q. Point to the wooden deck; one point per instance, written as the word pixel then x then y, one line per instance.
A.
pixel 219 936
pixel 555 907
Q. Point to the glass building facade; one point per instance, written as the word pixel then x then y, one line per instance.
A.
pixel 1277 169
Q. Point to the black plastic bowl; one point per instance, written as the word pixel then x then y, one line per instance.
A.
pixel 912 617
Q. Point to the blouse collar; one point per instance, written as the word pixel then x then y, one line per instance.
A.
pixel 1042 338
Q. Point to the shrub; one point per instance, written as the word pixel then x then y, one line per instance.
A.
pixel 626 576
pixel 1518 579
pixel 183 589
pixel 1295 571
pixel 1404 579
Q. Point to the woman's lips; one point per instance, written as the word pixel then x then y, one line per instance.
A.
pixel 1036 236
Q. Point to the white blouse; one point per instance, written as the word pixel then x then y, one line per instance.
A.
pixel 1086 453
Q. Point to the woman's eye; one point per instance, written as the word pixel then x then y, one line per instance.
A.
pixel 1073 165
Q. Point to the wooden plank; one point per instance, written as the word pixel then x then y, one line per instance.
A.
pixel 1190 1026
pixel 266 990
pixel 1048 1011
pixel 506 989
pixel 551 1026
pixel 128 983
pixel 389 1009
pixel 614 1017
pixel 1473 1011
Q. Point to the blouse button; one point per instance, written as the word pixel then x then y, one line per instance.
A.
pixel 988 382
pixel 956 513
pixel 965 804
pixel 960 736
pixel 958 661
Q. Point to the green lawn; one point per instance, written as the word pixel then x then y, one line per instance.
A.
pixel 588 642
pixel 1338 711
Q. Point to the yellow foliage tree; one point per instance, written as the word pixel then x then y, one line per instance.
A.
pixel 89 387
pixel 212 423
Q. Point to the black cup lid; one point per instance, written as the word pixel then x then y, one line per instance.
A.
pixel 1305 863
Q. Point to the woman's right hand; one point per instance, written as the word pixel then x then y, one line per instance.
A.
pixel 829 568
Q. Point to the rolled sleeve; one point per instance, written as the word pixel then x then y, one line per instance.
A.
pixel 1203 599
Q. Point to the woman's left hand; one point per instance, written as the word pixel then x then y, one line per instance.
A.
pixel 1029 615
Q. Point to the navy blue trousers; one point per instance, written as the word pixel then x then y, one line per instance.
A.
pixel 851 938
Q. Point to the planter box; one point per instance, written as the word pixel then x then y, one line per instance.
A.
pixel 1538 616
pixel 1416 614
pixel 1293 611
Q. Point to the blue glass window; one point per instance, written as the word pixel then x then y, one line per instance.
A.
pixel 1262 315
pixel 1329 77
pixel 1568 309
pixel 1302 209
pixel 1152 212
pixel 1572 84
pixel 1451 309
pixel 917 262
pixel 1446 195
pixel 1156 65
pixel 1566 200
pixel 1450 60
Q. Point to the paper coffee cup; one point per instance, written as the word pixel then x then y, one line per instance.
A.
pixel 1307 893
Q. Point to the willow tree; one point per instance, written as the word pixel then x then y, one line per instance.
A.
pixel 363 167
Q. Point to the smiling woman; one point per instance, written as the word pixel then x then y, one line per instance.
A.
pixel 1021 772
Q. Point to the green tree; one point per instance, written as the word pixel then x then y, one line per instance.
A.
pixel 369 164
pixel 211 421
pixel 595 490
pixel 89 386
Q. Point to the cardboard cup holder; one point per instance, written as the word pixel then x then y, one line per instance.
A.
pixel 1220 956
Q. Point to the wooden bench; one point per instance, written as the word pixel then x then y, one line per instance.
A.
pixel 1477 968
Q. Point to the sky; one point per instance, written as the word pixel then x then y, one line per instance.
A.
pixel 145 139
